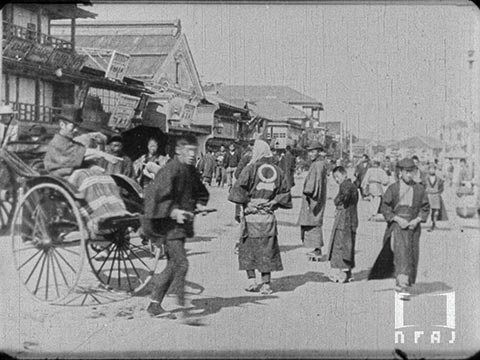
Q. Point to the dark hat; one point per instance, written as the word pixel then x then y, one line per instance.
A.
pixel 407 164
pixel 71 113
pixel 115 138
pixel 315 145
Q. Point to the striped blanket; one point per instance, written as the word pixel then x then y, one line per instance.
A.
pixel 102 198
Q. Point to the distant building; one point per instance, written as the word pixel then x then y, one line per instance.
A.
pixel 425 147
pixel 279 111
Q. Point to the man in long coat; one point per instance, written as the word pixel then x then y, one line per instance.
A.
pixel 404 206
pixel 287 164
pixel 313 202
pixel 260 190
pixel 342 241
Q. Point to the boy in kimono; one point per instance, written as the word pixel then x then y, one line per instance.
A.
pixel 342 241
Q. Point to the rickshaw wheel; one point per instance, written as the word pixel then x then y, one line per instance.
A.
pixel 8 196
pixel 48 240
pixel 121 262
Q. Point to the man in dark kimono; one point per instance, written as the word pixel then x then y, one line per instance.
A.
pixel 313 202
pixel 124 167
pixel 206 167
pixel 170 201
pixel 404 206
pixel 260 190
pixel 342 241
pixel 287 164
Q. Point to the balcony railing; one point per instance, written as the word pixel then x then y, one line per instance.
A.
pixel 11 31
pixel 32 112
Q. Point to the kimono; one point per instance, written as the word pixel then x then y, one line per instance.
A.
pixel 259 183
pixel 142 175
pixel 64 157
pixel 176 185
pixel 434 192
pixel 342 241
pixel 408 201
pixel 207 167
pixel 313 205
pixel 124 167
pixel 287 164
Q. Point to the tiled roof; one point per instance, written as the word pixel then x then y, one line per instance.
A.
pixel 275 110
pixel 264 92
pixel 148 52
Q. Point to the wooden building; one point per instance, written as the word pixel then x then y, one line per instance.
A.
pixel 41 72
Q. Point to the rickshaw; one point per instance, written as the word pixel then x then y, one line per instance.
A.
pixel 50 241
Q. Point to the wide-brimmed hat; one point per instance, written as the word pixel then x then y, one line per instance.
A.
pixel 407 164
pixel 315 145
pixel 6 109
pixel 71 113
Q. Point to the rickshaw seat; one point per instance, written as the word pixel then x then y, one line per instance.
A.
pixel 120 221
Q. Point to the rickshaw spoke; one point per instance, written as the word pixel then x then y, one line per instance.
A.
pixel 104 261
pixel 60 267
pixel 25 249
pixel 95 298
pixel 84 299
pixel 28 260
pixel 50 256
pixel 119 260
pixel 133 252
pixel 128 276
pixel 70 251
pixel 66 262
pixel 35 267
pixel 48 275
pixel 133 267
pixel 139 247
pixel 73 299
pixel 41 273
pixel 111 267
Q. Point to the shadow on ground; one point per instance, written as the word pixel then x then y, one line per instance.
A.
pixel 213 305
pixel 361 275
pixel 200 239
pixel 424 288
pixel 285 248
pixel 291 282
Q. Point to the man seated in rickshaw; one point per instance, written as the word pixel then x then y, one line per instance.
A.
pixel 73 159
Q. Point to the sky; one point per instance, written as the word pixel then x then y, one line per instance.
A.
pixel 386 71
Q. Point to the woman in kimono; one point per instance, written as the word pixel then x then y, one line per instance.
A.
pixel 147 165
pixel 434 186
pixel 261 188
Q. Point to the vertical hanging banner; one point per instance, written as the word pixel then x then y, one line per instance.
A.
pixel 123 113
pixel 117 66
